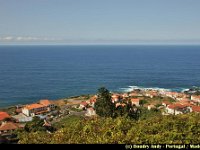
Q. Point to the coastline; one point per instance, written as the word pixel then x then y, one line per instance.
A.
pixel 83 97
pixel 61 101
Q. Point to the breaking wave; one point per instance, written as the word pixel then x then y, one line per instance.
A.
pixel 131 88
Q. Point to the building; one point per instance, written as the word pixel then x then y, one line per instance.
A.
pixel 151 94
pixel 34 109
pixel 22 118
pixel 125 95
pixel 92 101
pixel 83 105
pixel 185 101
pixel 38 108
pixel 116 98
pixel 3 116
pixel 173 95
pixel 196 109
pixel 195 98
pixel 135 101
pixel 178 108
pixel 50 106
pixel 182 96
pixel 8 127
pixel 90 112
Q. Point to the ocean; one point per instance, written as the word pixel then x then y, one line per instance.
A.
pixel 31 73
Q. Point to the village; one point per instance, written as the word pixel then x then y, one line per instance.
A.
pixel 169 103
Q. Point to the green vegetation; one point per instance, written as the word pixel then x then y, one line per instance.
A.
pixel 67 121
pixel 180 129
pixel 35 125
pixel 147 114
pixel 155 100
pixel 80 97
pixel 104 106
pixel 142 102
pixel 76 109
pixel 9 110
pixel 117 124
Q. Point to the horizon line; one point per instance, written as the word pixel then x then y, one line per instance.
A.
pixel 80 44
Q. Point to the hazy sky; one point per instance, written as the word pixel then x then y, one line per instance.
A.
pixel 99 21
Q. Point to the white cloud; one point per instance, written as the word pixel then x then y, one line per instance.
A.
pixel 7 38
pixel 27 39
pixel 19 38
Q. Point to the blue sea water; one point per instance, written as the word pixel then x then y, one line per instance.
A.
pixel 30 73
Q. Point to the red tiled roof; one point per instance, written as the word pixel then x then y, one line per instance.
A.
pixel 84 103
pixel 45 102
pixel 115 96
pixel 176 106
pixel 135 100
pixel 185 100
pixel 8 126
pixel 196 108
pixel 185 103
pixel 34 106
pixel 40 112
pixel 4 115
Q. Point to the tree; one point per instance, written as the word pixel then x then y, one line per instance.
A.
pixel 142 102
pixel 35 125
pixel 104 106
pixel 132 111
pixel 120 111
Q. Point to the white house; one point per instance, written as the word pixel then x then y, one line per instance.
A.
pixel 135 101
pixel 33 109
pixel 90 112
pixel 195 98
pixel 115 98
pixel 176 109
pixel 83 105
pixel 38 108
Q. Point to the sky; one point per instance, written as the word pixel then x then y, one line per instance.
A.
pixel 99 21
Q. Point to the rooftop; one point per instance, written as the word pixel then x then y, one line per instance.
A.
pixel 135 100
pixel 45 102
pixel 34 106
pixel 84 103
pixel 196 108
pixel 8 126
pixel 177 106
pixel 4 115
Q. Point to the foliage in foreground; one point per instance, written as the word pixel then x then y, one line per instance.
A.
pixel 180 129
pixel 104 106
